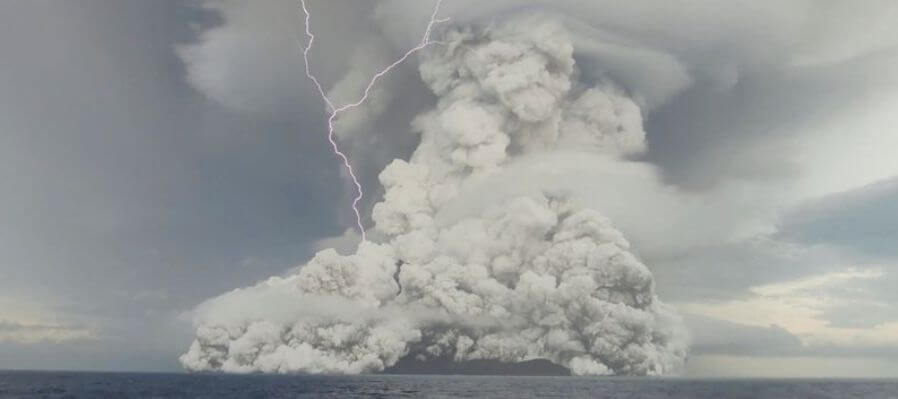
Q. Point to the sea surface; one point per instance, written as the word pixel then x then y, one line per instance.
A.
pixel 26 384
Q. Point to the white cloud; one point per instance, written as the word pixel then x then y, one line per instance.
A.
pixel 519 278
pixel 27 333
pixel 798 307
pixel 755 108
pixel 26 322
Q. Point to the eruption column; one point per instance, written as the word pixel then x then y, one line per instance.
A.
pixel 336 110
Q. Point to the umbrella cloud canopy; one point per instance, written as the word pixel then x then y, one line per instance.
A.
pixel 530 276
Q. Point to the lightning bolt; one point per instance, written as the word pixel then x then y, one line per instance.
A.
pixel 336 110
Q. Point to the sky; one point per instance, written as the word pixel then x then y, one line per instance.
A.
pixel 154 155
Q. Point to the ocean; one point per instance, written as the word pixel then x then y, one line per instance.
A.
pixel 29 384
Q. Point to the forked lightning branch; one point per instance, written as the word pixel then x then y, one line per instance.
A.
pixel 334 110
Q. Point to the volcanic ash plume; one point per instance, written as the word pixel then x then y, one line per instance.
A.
pixel 532 277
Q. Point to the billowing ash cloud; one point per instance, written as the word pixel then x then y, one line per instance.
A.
pixel 529 277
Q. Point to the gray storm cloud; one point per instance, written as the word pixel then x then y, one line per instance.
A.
pixel 529 277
